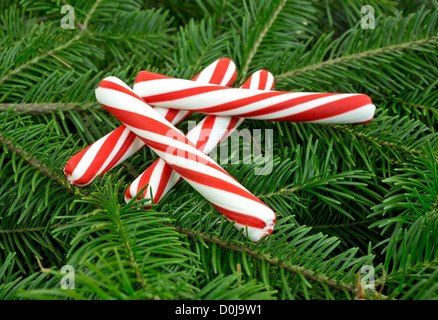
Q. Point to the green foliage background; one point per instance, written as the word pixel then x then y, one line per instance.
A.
pixel 345 196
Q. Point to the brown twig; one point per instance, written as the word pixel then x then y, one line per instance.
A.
pixel 45 270
pixel 45 108
pixel 36 229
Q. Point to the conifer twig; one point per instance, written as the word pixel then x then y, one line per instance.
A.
pixel 82 28
pixel 260 38
pixel 42 269
pixel 45 108
pixel 383 143
pixel 38 165
pixel 356 56
pixel 36 229
pixel 308 274
pixel 41 57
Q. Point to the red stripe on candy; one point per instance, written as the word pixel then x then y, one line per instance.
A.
pixel 241 102
pixel 247 83
pixel 286 104
pixel 107 147
pixel 174 151
pixel 147 76
pixel 125 146
pixel 263 79
pixel 220 70
pixel 146 176
pixel 139 121
pixel 169 96
pixel 114 86
pixel 330 109
pixel 241 218
pixel 165 176
pixel 74 161
pixel 204 135
pixel 233 77
pixel 171 114
pixel 211 181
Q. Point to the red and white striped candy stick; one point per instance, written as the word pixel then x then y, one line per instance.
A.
pixel 120 144
pixel 223 191
pixel 163 91
pixel 160 177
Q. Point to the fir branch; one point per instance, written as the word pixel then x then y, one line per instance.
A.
pixel 40 58
pixel 389 59
pixel 51 53
pixel 286 191
pixel 38 165
pixel 415 105
pixel 357 56
pixel 379 141
pixel 36 229
pixel 60 60
pixel 84 26
pixel 46 108
pixel 260 38
pixel 124 238
pixel 341 225
pixel 308 274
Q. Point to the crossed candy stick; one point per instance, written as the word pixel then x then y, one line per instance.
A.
pixel 205 136
pixel 114 148
pixel 223 191
pixel 227 195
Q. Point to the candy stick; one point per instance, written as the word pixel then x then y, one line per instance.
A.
pixel 223 191
pixel 163 91
pixel 120 144
pixel 160 177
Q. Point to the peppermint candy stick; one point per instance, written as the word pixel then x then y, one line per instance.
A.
pixel 114 148
pixel 160 177
pixel 163 91
pixel 223 191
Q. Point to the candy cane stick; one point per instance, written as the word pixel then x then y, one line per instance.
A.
pixel 223 191
pixel 163 91
pixel 120 144
pixel 160 177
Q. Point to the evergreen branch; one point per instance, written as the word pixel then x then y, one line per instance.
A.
pixel 51 53
pixel 308 274
pixel 129 169
pixel 41 57
pixel 60 60
pixel 84 25
pixel 286 191
pixel 197 44
pixel 260 38
pixel 124 238
pixel 379 141
pixel 207 49
pixel 415 105
pixel 36 229
pixel 38 165
pixel 45 108
pixel 357 56
pixel 341 225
